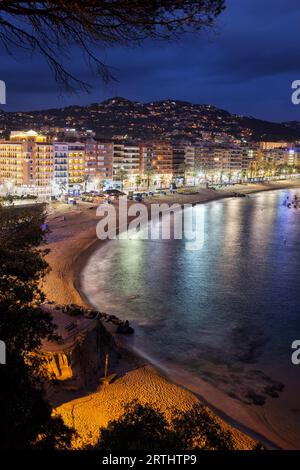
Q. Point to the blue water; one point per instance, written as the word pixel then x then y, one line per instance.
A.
pixel 222 319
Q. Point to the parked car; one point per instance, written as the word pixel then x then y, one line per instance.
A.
pixel 114 192
pixel 161 192
pixel 72 201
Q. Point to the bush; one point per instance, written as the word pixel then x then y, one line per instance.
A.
pixel 144 427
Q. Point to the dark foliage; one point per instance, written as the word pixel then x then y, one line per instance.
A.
pixel 26 419
pixel 145 427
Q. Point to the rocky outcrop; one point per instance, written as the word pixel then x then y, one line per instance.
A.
pixel 77 358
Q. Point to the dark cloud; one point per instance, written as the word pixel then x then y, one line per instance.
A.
pixel 245 64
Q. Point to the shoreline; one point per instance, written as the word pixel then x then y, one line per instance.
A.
pixel 72 242
pixel 212 195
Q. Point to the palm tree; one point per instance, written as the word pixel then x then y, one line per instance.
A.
pixel 121 175
pixel 221 176
pixel 189 171
pixel 182 168
pixel 229 176
pixel 262 168
pixel 138 181
pixel 163 181
pixel 86 179
pixel 185 169
pixel 62 188
pixel 193 175
pixel 207 172
pixel 149 173
pixel 253 169
pixel 99 182
pixel 268 168
pixel 244 174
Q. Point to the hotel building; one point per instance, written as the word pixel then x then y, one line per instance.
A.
pixel 158 157
pixel 98 160
pixel 178 160
pixel 31 160
pixel 274 145
pixel 76 163
pixel 43 164
pixel 61 167
pixel 126 159
pixel 212 157
pixel 26 160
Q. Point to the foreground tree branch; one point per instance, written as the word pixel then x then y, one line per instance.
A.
pixel 51 28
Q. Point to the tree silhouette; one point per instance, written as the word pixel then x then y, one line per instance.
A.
pixel 121 175
pixel 143 426
pixel 26 417
pixel 149 175
pixel 51 28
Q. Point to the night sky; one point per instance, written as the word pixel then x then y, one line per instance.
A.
pixel 245 65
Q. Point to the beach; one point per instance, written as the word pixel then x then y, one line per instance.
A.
pixel 73 231
pixel 71 240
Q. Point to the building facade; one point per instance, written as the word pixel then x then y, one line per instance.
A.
pixel 76 163
pixel 98 160
pixel 35 161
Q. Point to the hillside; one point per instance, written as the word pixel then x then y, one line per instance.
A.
pixel 165 119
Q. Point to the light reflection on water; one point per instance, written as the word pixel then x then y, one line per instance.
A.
pixel 226 314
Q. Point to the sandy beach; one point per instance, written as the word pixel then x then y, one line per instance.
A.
pixel 73 232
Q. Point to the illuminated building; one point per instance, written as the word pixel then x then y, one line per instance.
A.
pixel 273 145
pixel 14 163
pixel 178 160
pixel 98 160
pixel 61 166
pixel 26 159
pixel 157 156
pixel 126 158
pixel 190 156
pixel 42 164
pixel 76 162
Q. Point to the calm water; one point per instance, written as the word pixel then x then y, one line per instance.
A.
pixel 221 320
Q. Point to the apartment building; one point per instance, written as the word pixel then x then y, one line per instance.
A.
pixel 145 159
pixel 32 160
pixel 14 164
pixel 132 160
pixel 280 156
pixel 274 145
pixel 189 153
pixel 178 160
pixel 158 157
pixel 61 166
pixel 294 158
pixel 204 158
pixel 43 164
pixel 76 163
pixel 26 159
pixel 126 159
pixel 232 159
pixel 99 160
